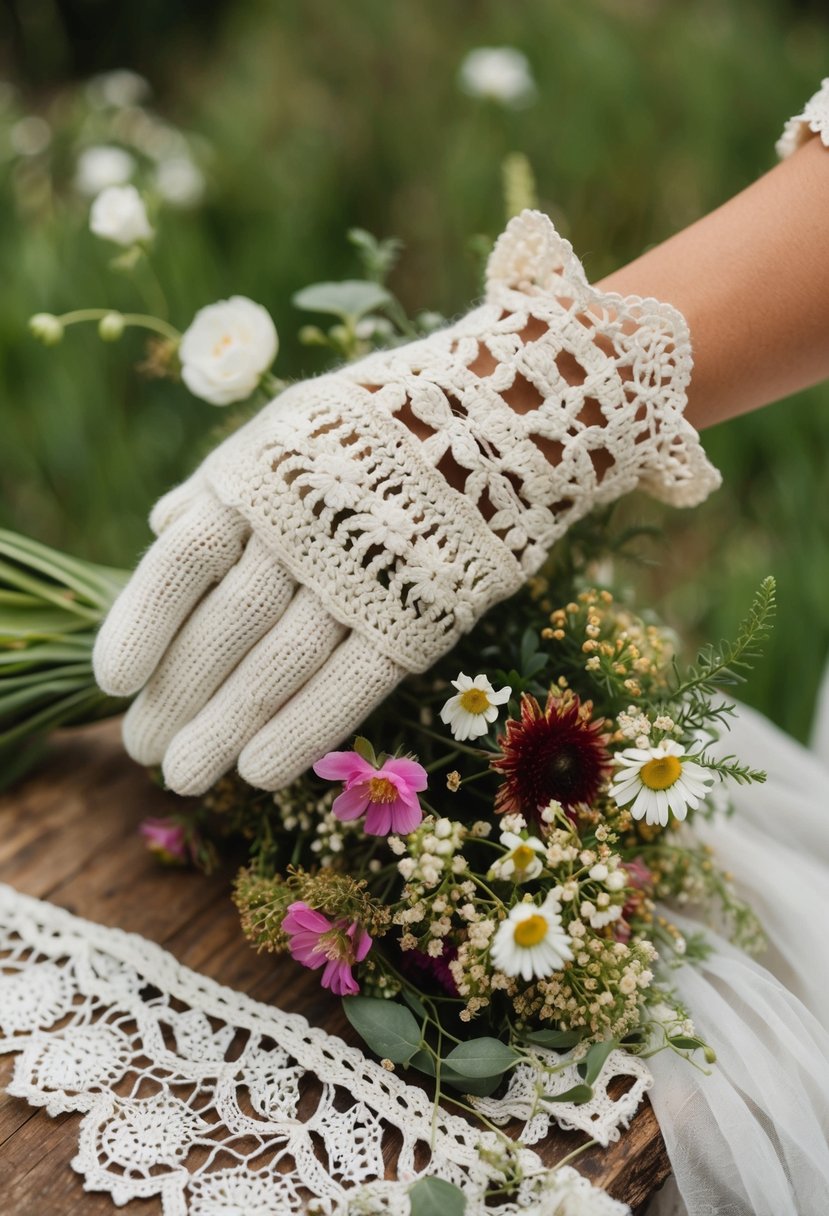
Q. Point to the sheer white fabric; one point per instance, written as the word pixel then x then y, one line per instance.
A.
pixel 752 1138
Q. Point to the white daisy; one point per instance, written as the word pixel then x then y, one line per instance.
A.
pixel 531 941
pixel 657 781
pixel 469 713
pixel 522 862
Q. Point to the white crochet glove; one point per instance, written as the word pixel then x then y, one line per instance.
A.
pixel 812 120
pixel 319 554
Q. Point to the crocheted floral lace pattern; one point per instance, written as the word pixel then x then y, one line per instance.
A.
pixel 812 120
pixel 219 1105
pixel 547 400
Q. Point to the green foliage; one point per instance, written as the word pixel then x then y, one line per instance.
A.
pixel 386 1027
pixel 436 1197
pixel 50 607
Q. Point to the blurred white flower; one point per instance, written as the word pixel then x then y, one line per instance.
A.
pixel 102 166
pixel 30 135
pixel 119 88
pixel 180 181
pixel 118 214
pixel 501 73
pixel 226 349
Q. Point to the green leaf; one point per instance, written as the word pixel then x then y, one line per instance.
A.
pixel 557 1039
pixel 415 1004
pixel 484 1057
pixel 481 1087
pixel 363 747
pixel 436 1197
pixel 578 1094
pixel 593 1063
pixel 686 1042
pixel 387 1028
pixel 349 299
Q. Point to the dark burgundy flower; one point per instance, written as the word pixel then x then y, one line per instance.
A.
pixel 420 966
pixel 558 753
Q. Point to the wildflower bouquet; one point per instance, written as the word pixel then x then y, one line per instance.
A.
pixel 479 874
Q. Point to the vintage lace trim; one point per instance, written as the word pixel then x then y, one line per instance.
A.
pixel 812 120
pixel 333 478
pixel 218 1104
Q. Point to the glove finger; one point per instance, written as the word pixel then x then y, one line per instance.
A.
pixel 355 679
pixel 220 631
pixel 195 551
pixel 176 501
pixel 268 675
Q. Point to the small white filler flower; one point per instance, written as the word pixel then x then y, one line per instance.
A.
pixel 469 713
pixel 226 349
pixel 102 166
pixel 657 781
pixel 531 941
pixel 118 214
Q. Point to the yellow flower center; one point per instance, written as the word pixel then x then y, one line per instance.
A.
pixel 221 345
pixel 380 789
pixel 521 856
pixel 474 701
pixel 531 931
pixel 661 774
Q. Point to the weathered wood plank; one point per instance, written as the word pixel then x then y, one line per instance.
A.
pixel 68 834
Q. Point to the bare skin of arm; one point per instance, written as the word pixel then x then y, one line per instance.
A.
pixel 752 280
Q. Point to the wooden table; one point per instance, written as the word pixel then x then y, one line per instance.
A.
pixel 68 834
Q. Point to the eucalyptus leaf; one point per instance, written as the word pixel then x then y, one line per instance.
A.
pixel 436 1197
pixel 578 1094
pixel 388 1028
pixel 593 1062
pixel 349 299
pixel 481 1087
pixel 415 1004
pixel 484 1057
pixel 686 1042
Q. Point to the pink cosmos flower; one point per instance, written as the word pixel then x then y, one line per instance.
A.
pixel 167 840
pixel 386 795
pixel 315 940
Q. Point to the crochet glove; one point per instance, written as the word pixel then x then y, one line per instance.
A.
pixel 322 552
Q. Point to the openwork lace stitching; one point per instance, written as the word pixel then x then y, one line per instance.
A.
pixel 215 1103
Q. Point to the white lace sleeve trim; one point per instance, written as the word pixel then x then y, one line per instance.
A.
pixel 217 1104
pixel 812 120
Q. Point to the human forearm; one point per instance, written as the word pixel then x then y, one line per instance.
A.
pixel 752 280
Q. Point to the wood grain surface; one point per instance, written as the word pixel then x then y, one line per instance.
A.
pixel 68 835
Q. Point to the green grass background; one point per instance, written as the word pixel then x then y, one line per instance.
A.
pixel 316 117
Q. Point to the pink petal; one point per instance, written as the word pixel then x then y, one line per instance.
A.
pixel 343 766
pixel 413 774
pixel 404 817
pixel 379 818
pixel 301 916
pixel 304 950
pixel 337 976
pixel 361 941
pixel 351 803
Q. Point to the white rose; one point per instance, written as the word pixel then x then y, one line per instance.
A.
pixel 118 214
pixel 501 73
pixel 102 166
pixel 226 349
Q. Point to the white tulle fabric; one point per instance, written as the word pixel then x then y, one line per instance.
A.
pixel 752 1138
pixel 217 1104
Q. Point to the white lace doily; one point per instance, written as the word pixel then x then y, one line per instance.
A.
pixel 220 1105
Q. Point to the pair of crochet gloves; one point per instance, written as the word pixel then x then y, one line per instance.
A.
pixel 364 520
